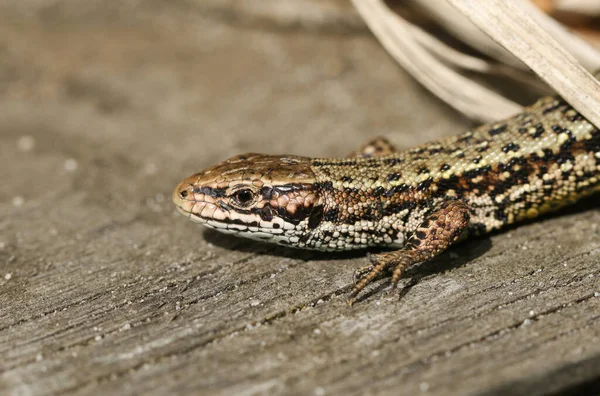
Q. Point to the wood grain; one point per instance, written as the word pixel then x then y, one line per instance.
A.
pixel 104 288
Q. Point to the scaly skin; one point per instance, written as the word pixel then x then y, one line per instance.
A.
pixel 418 201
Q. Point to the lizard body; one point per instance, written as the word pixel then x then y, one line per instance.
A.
pixel 418 201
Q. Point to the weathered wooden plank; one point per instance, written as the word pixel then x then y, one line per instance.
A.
pixel 103 287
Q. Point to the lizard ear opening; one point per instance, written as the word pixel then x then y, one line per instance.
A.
pixel 315 217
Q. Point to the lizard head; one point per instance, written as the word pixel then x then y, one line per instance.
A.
pixel 266 197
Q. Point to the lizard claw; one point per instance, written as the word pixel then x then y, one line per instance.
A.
pixel 360 272
pixel 352 296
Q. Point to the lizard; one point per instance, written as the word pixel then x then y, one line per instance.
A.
pixel 416 202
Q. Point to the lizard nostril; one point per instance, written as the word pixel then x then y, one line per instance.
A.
pixel 183 194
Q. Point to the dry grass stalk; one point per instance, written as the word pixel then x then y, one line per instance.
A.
pixel 531 37
pixel 467 96
pixel 514 25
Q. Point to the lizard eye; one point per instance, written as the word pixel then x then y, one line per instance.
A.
pixel 244 196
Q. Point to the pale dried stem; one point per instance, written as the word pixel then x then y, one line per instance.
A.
pixel 584 7
pixel 521 37
pixel 587 55
pixel 463 61
pixel 460 27
pixel 514 28
pixel 396 36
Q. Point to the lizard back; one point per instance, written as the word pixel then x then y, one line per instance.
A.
pixel 538 161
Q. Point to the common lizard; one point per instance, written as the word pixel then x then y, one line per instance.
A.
pixel 418 202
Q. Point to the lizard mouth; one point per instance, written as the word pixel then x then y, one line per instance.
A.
pixel 199 210
pixel 183 198
pixel 212 213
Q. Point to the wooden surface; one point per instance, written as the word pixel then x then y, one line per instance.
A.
pixel 105 288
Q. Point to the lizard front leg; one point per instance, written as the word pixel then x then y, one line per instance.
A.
pixel 440 229
pixel 377 147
